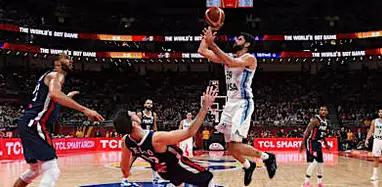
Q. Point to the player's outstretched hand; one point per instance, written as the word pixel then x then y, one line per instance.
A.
pixel 208 36
pixel 367 143
pixel 209 96
pixel 73 93
pixel 93 115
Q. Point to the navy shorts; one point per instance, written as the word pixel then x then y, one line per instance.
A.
pixel 314 152
pixel 187 172
pixel 37 144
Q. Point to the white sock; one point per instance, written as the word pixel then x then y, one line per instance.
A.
pixel 154 174
pixel 246 164
pixel 264 156
pixel 307 179
pixel 319 179
pixel 375 171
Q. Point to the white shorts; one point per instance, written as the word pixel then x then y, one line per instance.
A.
pixel 187 147
pixel 236 119
pixel 377 147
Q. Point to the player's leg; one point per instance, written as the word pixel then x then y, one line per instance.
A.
pixel 28 176
pixel 320 167
pixel 50 173
pixel 31 144
pixel 377 148
pixel 240 127
pixel 312 164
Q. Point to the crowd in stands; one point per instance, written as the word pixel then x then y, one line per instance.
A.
pixel 285 99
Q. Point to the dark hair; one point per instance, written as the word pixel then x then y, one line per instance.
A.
pixel 248 39
pixel 122 122
pixel 62 56
pixel 324 106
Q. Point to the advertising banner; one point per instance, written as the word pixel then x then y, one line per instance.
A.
pixel 287 144
pixel 11 148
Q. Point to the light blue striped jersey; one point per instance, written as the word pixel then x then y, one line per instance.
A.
pixel 239 82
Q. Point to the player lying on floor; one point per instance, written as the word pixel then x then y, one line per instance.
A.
pixel 158 148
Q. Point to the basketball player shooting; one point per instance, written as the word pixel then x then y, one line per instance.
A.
pixel 311 141
pixel 376 129
pixel 38 147
pixel 236 117
pixel 188 144
pixel 158 148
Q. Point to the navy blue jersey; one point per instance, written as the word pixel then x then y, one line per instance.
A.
pixel 160 162
pixel 318 132
pixel 41 107
pixel 147 121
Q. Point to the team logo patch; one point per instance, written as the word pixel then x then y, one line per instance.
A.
pixel 213 165
pixel 141 184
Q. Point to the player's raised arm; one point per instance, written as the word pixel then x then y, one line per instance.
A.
pixel 155 127
pixel 126 160
pixel 370 133
pixel 54 81
pixel 244 61
pixel 311 125
pixel 176 136
pixel 207 53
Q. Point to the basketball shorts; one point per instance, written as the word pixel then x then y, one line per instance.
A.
pixel 314 152
pixel 187 147
pixel 377 147
pixel 187 172
pixel 236 119
pixel 36 142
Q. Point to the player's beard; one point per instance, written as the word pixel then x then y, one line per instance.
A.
pixel 66 68
pixel 148 108
pixel 237 48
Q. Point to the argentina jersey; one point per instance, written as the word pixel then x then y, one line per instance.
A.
pixel 239 82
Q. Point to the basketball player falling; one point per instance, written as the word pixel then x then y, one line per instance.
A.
pixel 149 122
pixel 188 144
pixel 311 141
pixel 38 146
pixel 158 148
pixel 236 117
pixel 376 128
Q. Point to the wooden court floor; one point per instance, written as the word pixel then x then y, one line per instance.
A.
pixel 102 167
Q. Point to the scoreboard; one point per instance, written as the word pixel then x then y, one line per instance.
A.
pixel 230 3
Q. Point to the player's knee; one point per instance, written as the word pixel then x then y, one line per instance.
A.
pixel 51 168
pixel 29 175
pixel 207 179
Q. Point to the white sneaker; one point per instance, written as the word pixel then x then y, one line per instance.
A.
pixel 374 178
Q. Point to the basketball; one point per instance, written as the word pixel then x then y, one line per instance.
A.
pixel 214 17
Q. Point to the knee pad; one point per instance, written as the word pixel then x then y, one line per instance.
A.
pixel 29 175
pixel 50 172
